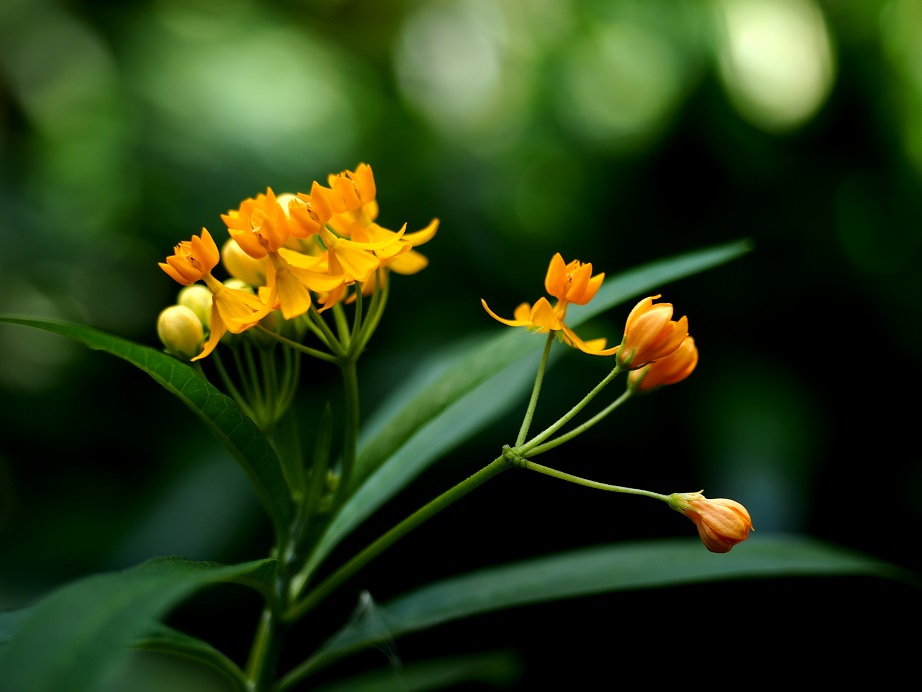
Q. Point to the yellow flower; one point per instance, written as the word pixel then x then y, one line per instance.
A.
pixel 568 283
pixel 231 309
pixel 350 191
pixel 721 523
pixel 669 370
pixel 261 226
pixel 180 330
pixel 650 334
pixel 192 259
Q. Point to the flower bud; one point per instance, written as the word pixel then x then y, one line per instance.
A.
pixel 197 298
pixel 650 333
pixel 181 331
pixel 721 523
pixel 241 266
pixel 669 370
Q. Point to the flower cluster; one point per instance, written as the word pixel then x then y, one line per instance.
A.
pixel 655 350
pixel 289 253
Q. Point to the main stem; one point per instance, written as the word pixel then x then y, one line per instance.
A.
pixel 374 549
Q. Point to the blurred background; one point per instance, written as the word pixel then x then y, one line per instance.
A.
pixel 615 132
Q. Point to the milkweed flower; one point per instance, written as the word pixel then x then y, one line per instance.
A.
pixel 669 370
pixel 650 333
pixel 261 226
pixel 192 259
pixel 721 523
pixel 231 309
pixel 571 282
pixel 345 216
pixel 568 283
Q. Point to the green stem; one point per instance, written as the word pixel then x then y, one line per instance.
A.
pixel 263 658
pixel 374 549
pixel 342 326
pixel 230 386
pixel 532 466
pixel 563 420
pixel 373 317
pixel 533 402
pixel 351 428
pixel 328 337
pixel 540 449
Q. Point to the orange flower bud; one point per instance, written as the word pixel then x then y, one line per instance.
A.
pixel 650 334
pixel 721 523
pixel 669 370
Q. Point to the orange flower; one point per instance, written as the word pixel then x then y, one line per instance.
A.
pixel 721 523
pixel 192 259
pixel 673 368
pixel 569 283
pixel 650 334
pixel 572 282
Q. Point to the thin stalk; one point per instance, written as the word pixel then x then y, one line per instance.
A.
pixel 540 449
pixel 229 384
pixel 328 336
pixel 299 347
pixel 375 311
pixel 533 402
pixel 374 549
pixel 563 420
pixel 532 466
pixel 357 317
pixel 342 326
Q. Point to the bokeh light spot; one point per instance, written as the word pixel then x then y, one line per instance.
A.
pixel 775 60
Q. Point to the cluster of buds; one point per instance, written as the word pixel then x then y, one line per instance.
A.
pixel 286 254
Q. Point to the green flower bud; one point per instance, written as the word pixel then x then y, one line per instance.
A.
pixel 198 299
pixel 181 331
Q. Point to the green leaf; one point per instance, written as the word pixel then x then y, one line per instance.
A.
pixel 492 670
pixel 163 639
pixel 458 391
pixel 595 570
pixel 236 431
pixel 75 638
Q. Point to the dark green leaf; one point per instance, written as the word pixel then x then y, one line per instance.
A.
pixel 233 428
pixel 163 639
pixel 594 570
pixel 75 638
pixel 492 670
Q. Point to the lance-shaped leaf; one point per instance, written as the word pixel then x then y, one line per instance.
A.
pixel 588 571
pixel 458 391
pixel 75 638
pixel 236 431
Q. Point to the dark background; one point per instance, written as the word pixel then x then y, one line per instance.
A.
pixel 613 132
